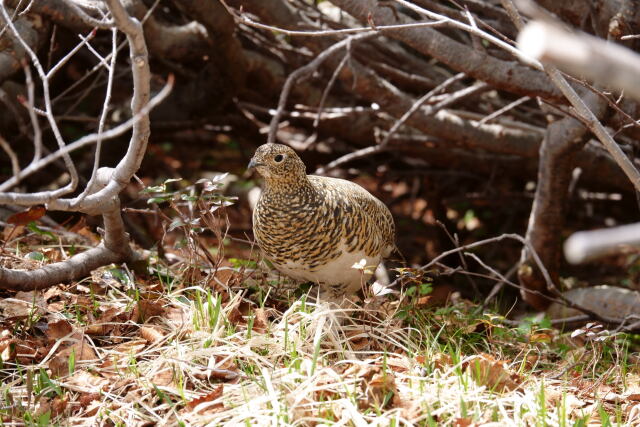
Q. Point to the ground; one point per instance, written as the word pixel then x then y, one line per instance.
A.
pixel 184 343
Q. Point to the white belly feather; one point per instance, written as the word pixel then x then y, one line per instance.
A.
pixel 337 271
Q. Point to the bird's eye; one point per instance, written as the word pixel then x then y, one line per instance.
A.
pixel 278 158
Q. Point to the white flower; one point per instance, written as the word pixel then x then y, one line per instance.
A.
pixel 360 265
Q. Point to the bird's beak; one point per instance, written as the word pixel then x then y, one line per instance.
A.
pixel 253 164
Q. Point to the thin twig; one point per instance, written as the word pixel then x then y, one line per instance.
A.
pixel 473 30
pixel 103 116
pixel 85 41
pixel 83 141
pixel 71 168
pixel 545 274
pixel 242 19
pixel 15 164
pixel 503 110
pixel 416 105
pixel 330 84
pixel 303 72
pixel 456 241
pixel 430 110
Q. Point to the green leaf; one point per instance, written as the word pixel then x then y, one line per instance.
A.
pixel 120 275
pixel 32 226
pixel 188 198
pixel 37 256
pixel 158 200
pixel 425 289
pixel 72 361
pixel 175 223
pixel 237 263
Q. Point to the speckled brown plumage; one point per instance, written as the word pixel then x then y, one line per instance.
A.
pixel 315 228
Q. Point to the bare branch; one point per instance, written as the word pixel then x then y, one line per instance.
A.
pixel 102 193
pixel 506 75
pixel 103 115
pixel 473 29
pixel 416 105
pixel 604 62
pixel 303 72
pixel 71 186
pixel 89 20
pixel 81 142
pixel 243 19
pixel 596 127
pixel 15 165
pixel 430 110
pixel 585 245
pixel 555 293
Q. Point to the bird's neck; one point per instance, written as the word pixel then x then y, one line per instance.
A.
pixel 291 184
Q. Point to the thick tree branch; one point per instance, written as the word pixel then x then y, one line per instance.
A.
pixel 608 64
pixel 33 31
pixel 563 139
pixel 506 75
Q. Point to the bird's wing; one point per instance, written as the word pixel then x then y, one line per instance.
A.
pixel 374 221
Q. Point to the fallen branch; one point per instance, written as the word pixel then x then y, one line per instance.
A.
pixel 604 62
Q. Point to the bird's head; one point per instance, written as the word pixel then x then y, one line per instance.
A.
pixel 278 163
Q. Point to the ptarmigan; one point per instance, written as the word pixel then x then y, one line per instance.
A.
pixel 315 228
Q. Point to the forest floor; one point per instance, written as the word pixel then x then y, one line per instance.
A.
pixel 182 344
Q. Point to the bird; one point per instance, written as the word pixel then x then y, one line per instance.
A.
pixel 316 228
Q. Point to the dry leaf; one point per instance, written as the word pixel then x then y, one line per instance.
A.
pixel 146 309
pixel 177 317
pixel 12 307
pixel 34 213
pixel 164 377
pixel 492 373
pixel 93 406
pixel 83 301
pixel 32 297
pixel 109 321
pixel 379 388
pixel 82 351
pixel 94 329
pixel 30 350
pixel 411 409
pixel 463 422
pixel 14 231
pixel 540 337
pixel 130 347
pixel 260 321
pixel 118 357
pixel 52 254
pixel 23 304
pixel 151 333
pixel 83 379
pixel 377 384
pixel 7 350
pixel 87 398
pixel 56 307
pixel 58 329
pixel 209 397
pixel 223 374
pixel 81 228
pixel 42 407
pixel 441 361
pixel 224 274
pixel 133 396
pixel 360 343
pixel 58 405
